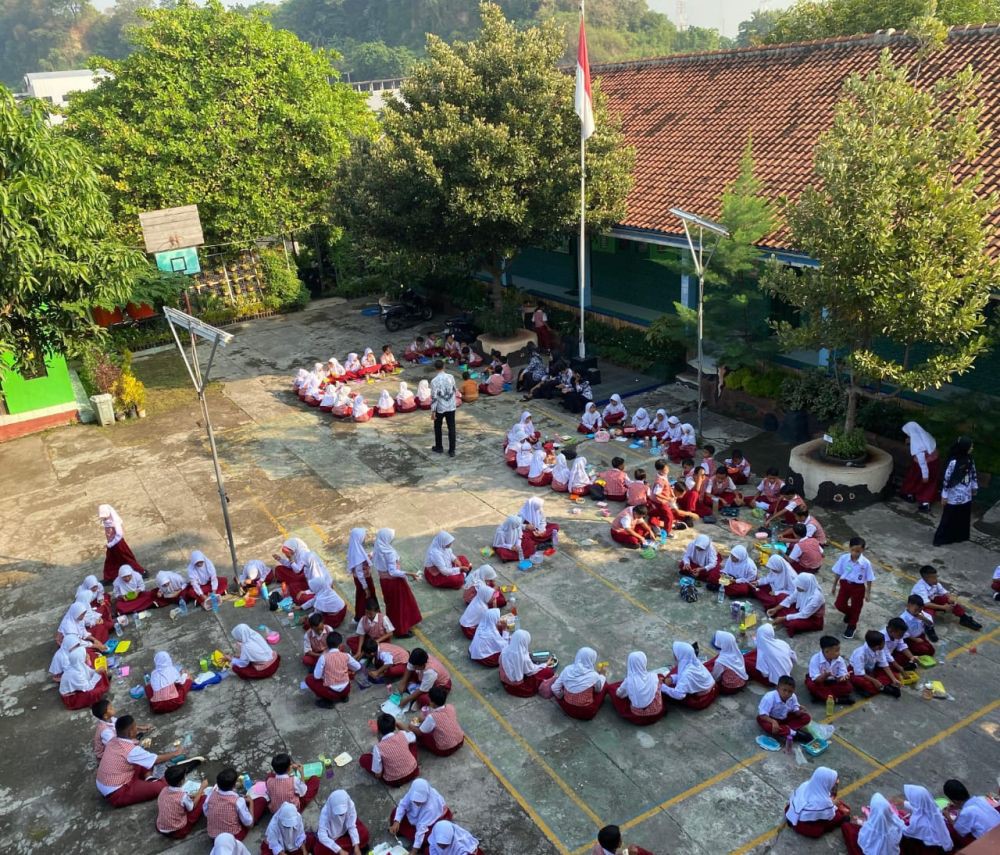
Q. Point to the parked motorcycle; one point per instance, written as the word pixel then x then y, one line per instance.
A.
pixel 409 309
pixel 463 327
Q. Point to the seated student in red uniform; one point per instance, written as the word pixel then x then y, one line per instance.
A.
pixel 769 491
pixel 202 578
pixel 658 426
pixel 314 639
pixel 387 361
pixel 406 401
pixel 590 420
pixel 536 527
pixel 788 501
pixel 282 786
pixel 253 574
pixel 170 587
pixel 373 624
pixel 690 682
pixel 339 829
pixel 926 832
pixel 637 492
pixel 737 467
pixel 523 453
pixel 393 759
pixel 85 625
pixel 872 671
pixel 773 657
pixel 580 688
pixel 331 395
pixel 880 831
pixel 813 808
pixel 438 730
pixel 728 668
pixel 579 478
pixel 415 350
pixel 637 698
pixel 708 462
pixel 343 403
pixel 168 687
pixel 894 634
pixel 801 611
pixel 701 560
pixel 121 774
pixel 352 367
pixel 369 362
pixel 326 601
pixel 286 834
pixel 486 575
pixel 118 552
pixel 687 501
pixel 672 438
pixel 631 529
pixel 475 611
pixel 449 838
pixel 385 661
pixel 806 554
pixel 776 583
pixel 177 813
pixel 615 412
pixel 330 680
pixel 688 442
pixel 920 630
pixel 721 492
pixel 255 660
pixel 813 527
pixel 615 480
pixel 976 816
pixel 80 686
pixel 780 715
pixel 360 411
pixel 492 382
pixel 417 814
pixel 560 474
pixel 739 567
pixel 98 619
pixel 423 672
pixel 639 426
pixel 540 468
pixel 520 675
pixel 469 356
pixel 386 406
pixel 489 640
pixel 227 812
pixel 609 842
pixel 130 592
pixel 828 675
pixel 938 601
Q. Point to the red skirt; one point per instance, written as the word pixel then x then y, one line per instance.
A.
pixel 528 687
pixel 766 598
pixel 249 672
pixel 143 601
pixel 361 596
pixel 294 582
pixel 817 828
pixel 171 705
pixel 624 708
pixel 913 484
pixel 582 713
pixel 439 580
pixel 623 537
pixel 344 842
pixel 491 661
pixel 426 741
pixel 324 692
pixel 542 480
pixel 700 701
pixel 400 605
pixel 468 632
pixel 82 700
pixel 117 556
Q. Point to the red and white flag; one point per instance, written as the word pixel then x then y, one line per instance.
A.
pixel 584 101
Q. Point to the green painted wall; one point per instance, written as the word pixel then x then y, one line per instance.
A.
pixel 22 396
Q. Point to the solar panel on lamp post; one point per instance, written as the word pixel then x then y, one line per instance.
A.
pixel 693 221
pixel 198 329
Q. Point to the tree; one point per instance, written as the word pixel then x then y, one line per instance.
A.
pixel 481 156
pixel 219 109
pixel 757 28
pixel 55 258
pixel 896 219
pixel 41 35
pixel 736 330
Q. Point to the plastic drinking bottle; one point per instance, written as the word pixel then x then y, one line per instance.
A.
pixel 145 679
pixel 263 590
pixel 720 598
pixel 183 606
pixel 830 702
pixel 555 539
pixel 247 783
pixel 788 743
pixel 118 629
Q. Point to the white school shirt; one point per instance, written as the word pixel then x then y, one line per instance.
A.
pixel 929 592
pixel 364 624
pixel 914 625
pixel 352 663
pixel 242 811
pixel 297 784
pixel 772 705
pixel 186 803
pixel 426 683
pixel 820 669
pixel 864 660
pixel 976 817
pixel 859 571
pixel 810 525
pixel 138 756
pixel 893 644
pixel 377 758
pixel 331 826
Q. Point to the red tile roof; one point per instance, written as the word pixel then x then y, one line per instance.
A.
pixel 689 116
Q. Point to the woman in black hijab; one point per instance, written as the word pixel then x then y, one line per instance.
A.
pixel 957 489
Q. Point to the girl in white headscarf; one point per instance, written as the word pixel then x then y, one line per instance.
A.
pixel 923 477
pixel 342 403
pixel 673 437
pixel 490 640
pixel 334 370
pixel 560 474
pixel 512 444
pixel 285 832
pixel 405 401
pixel 692 684
pixel 360 411
pixel 168 685
pixel 531 433
pixel 118 551
pixel 253 574
pixel 60 660
pixel 485 575
pixel 331 394
pixel 100 602
pixel 579 478
pixel 74 623
pixel 339 828
pixel 130 592
pixel 169 587
pixel 701 560
pixel 352 367
pixel 728 669
pixel 510 542
pixel 254 659
pixel 540 471
pixel 369 362
pixel 803 610
pixel 291 559
pixel 326 601
pixel 536 526
pixel 311 391
pixel 359 566
pixel 299 380
pixel 772 659
pixel 739 567
pixel 94 624
pixel 424 395
pixel 926 824
pixel 590 420
pixel 80 686
pixel 386 405
pixel 442 568
pixel 658 427
pixel 400 604
pixel 580 688
pixel 202 577
pixel 519 674
pixel 812 810
pixel 417 812
pixel 226 844
pixel 881 832
pixel 640 423
pixel 615 412
pixel 637 698
pixel 777 583
pixel 688 441
pixel 475 611
pixel 449 838
pixel 522 461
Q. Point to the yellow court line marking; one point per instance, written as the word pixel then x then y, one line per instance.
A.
pixel 989 636
pixel 892 764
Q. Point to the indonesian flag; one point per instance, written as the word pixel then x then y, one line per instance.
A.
pixel 584 101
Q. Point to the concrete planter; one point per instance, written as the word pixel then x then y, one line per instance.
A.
pixel 835 485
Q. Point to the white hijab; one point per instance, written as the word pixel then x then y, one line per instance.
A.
pixel 202 574
pixel 90 617
pixel 170 582
pixel 926 820
pixel 739 565
pixel 385 401
pixel 524 453
pixel 254 647
pixel 359 409
pixel 285 829
pixel 578 477
pixel 581 675
pixel 775 658
pixel 300 377
pixel 77 676
pixel 334 367
pixel 384 556
pixel 352 363
pixel 343 397
pixel 60 660
pixel 447 838
pixel 425 803
pixel 538 466
pixel 640 419
pixel 591 419
pixel 659 423
pixel 812 800
pixel 325 598
pixel 314 568
pixel 253 571
pixel 882 831
pixel 90 584
pixel 781 577
pixel 404 395
pixel 424 390
pixel 483 573
pixel 701 552
pixel 109 519
pixel 475 612
pixel 356 555
pixel 128 580
pixel 164 672
pixel 311 386
pixel 808 596
pixel 533 513
pixel 330 395
pixel 640 683
pixel 688 436
pixel 692 677
pixel 73 622
pixel 560 472
pixel 615 406
pixel 439 553
pixel 487 639
pixel 920 440
pixel 526 423
pixel 226 844
pixel 299 550
pixel 508 534
pixel 729 655
pixel 516 657
pixel 368 352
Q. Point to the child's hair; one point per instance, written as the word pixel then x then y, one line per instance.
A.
pixel 896 624
pixel 438 364
pixel 828 641
pixel 371 605
pixel 857 541
pixel 465 349
pixel 710 449
pixel 787 489
pixel 639 474
pixel 175 775
pixel 640 510
pixel 386 348
pixel 772 472
pixel 420 338
pixel 874 639
pixel 503 359
pixel 100 708
pixel 786 680
pixel 915 600
pixel 927 570
pixel 123 725
pixel 737 454
pixel 386 724
pixel 466 375
pixel 226 779
pixel 956 791
pixel 610 838
pixel 334 639
pixel 418 657
pixel 316 620
pixel 438 695
pixel 800 530
pixel 617 462
pixel 281 763
pixel 687 461
pixel 680 488
pixel 802 511
pixel 661 464
pixel 369 646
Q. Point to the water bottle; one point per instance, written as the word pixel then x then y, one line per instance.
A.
pixel 118 630
pixel 555 538
pixel 247 783
pixel 720 598
pixel 145 679
pixel 263 591
pixel 830 703
pixel 215 602
pixel 183 606
pixel 788 743
pixel 656 443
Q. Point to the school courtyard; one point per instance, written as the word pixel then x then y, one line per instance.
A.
pixel 529 779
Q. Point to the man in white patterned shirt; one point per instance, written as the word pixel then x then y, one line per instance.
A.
pixel 443 408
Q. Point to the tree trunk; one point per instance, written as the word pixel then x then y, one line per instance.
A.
pixel 851 417
pixel 496 287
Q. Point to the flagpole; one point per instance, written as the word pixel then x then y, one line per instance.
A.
pixel 582 262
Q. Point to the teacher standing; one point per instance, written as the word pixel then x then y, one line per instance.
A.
pixel 443 407
pixel 957 490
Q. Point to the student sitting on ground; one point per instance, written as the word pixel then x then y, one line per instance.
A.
pixel 442 567
pixel 692 685
pixel 170 587
pixel 80 686
pixel 615 412
pixel 286 834
pixel 130 592
pixel 788 501
pixel 386 661
pixel 386 406
pixel 339 829
pixel 486 575
pixel 525 451
pixel 739 567
pixel 895 644
pixel 728 668
pixel 772 659
pixel 227 812
pixel 658 427
pixel 938 601
pixel 701 560
pixel 737 467
pixel 373 624
pixel 519 674
pixel 609 842
pixel 393 758
pixel 637 698
pixel 806 554
pixel 615 480
pixel 177 813
pixel 492 382
pixel 283 787
pixel 637 492
pixel 330 680
pixel 254 660
pixel 414 350
pixel 828 674
pixel 813 528
pixel 423 672
pixel 590 420
pixel 417 813
pixel 326 601
pixel 439 731
pixel 387 361
pixel 360 411
pixel 720 492
pixel 406 402
pixel 121 774
pixel 707 461
pixel 813 809
pixel 802 611
pixel 926 830
pixel 475 611
pixel 314 639
pixel 780 715
pixel 540 468
pixel 579 478
pixel 560 474
pixel 168 687
pixel 468 389
pixel 580 688
pixel 536 527
pixel 489 640
pixel 449 838
pixel 777 584
pixel 672 438
pixel 880 831
pixel 688 442
pixel 872 671
pixel 631 529
pixel 920 630
pixel 202 578
pixel 976 816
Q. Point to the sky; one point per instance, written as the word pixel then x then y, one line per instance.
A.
pixel 724 15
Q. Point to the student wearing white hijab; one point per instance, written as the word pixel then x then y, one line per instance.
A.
pixel 74 623
pixel 226 844
pixel 130 592
pixel 772 659
pixel 93 620
pixel 386 407
pixel 100 602
pixel 168 686
pixel 291 558
pixel 803 610
pixel 926 824
pixel 701 560
pixel 489 640
pixel 615 412
pixel 359 566
pixel 286 833
pixel 405 400
pixel 334 370
pixel 637 698
pixel 80 686
pixel 531 433
pixel 640 423
pixel 311 391
pixel 579 478
pixel 341 408
pixel 203 579
pixel 522 460
pixel 658 427
pixel 580 688
pixel 369 362
pixel 536 526
pixel 424 395
pixel 512 444
pixel 560 474
pixel 360 411
pixel 590 420
pixel 923 477
pixel 692 684
pixel 449 838
pixel 352 367
pixel 539 471
pixel 442 568
pixel 339 828
pixel 253 574
pixel 118 551
pixel 688 442
pixel 485 575
pixel 520 676
pixel 728 668
pixel 400 604
pixel 510 542
pixel 418 812
pixel 326 601
pixel 777 583
pixel 812 810
pixel 60 660
pixel 476 610
pixel 880 833
pixel 170 587
pixel 739 567
pixel 329 398
pixel 255 660
pixel 300 378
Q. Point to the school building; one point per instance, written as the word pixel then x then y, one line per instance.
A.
pixel 689 117
pixel 37 399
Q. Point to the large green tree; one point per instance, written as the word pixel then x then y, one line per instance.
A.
pixel 56 259
pixel 219 109
pixel 897 221
pixel 481 157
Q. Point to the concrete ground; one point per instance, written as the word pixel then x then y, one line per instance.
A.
pixel 529 780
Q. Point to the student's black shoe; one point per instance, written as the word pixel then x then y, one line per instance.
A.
pixel 324 704
pixel 909 497
pixel 844 702
pixel 931 634
pixel 849 631
pixel 996 596
pixel 436 450
pixel 924 508
pixel 451 453
pixel 803 737
pixel 910 666
pixel 893 691
pixel 969 622
pixel 405 635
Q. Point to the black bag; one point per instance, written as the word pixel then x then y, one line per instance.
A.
pixel 273 599
pixel 597 492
